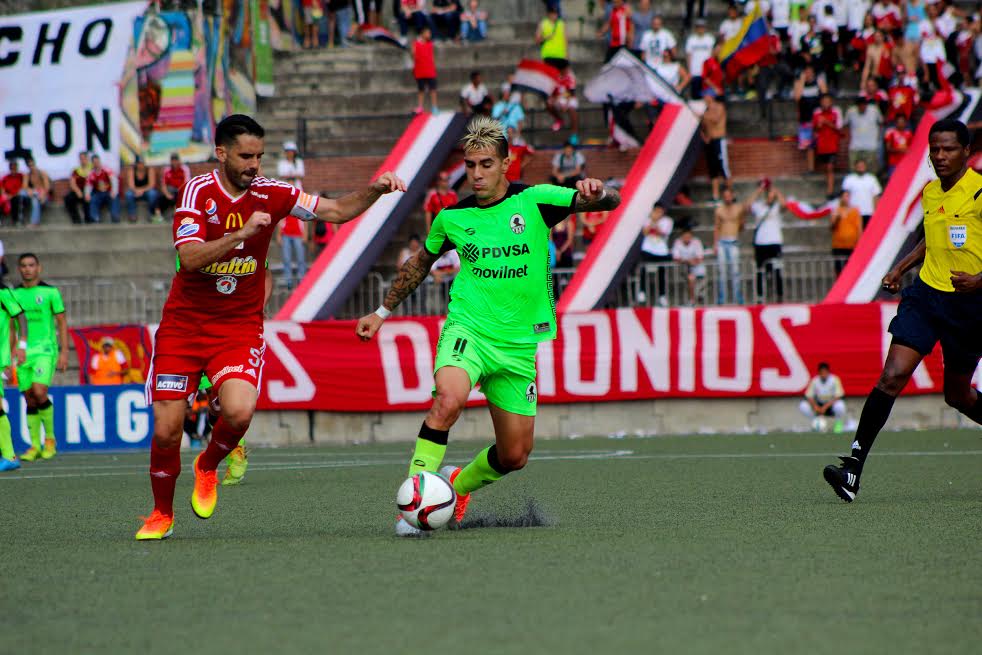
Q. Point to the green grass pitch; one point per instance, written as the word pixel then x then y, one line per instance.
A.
pixel 703 544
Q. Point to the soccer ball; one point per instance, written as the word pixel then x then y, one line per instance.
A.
pixel 820 424
pixel 426 500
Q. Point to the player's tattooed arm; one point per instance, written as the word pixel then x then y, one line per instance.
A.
pixel 410 275
pixel 353 205
pixel 592 195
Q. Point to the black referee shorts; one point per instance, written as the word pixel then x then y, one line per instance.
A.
pixel 927 316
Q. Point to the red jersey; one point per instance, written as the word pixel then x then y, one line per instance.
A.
pixel 620 19
pixel 827 124
pixel 101 180
pixel 712 75
pixel 175 178
pixel 80 174
pixel 435 201
pixel 517 154
pixel 424 65
pixel 12 183
pixel 226 297
pixel 887 16
pixel 897 142
pixel 292 227
pixel 902 99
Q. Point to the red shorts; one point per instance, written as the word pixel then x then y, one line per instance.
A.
pixel 180 358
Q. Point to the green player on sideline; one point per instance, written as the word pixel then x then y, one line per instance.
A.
pixel 47 349
pixel 501 306
pixel 9 309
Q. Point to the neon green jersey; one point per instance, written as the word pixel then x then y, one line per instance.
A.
pixel 504 288
pixel 9 308
pixel 41 304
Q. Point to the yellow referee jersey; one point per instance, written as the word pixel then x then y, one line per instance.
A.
pixel 952 230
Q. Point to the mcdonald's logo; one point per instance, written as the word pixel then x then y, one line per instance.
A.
pixel 233 220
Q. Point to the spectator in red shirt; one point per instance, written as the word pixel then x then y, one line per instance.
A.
pixel 887 16
pixel 292 239
pixel 13 198
pixel 101 190
pixel 424 69
pixel 439 198
pixel 563 102
pixel 171 181
pixel 712 74
pixel 902 96
pixel 591 222
pixel 619 28
pixel 897 140
pixel 75 198
pixel 827 126
pixel 520 154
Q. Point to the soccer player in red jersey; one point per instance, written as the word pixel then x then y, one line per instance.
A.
pixel 212 321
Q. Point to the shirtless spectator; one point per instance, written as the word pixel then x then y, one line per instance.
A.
pixel 171 181
pixel 729 220
pixel 38 189
pixel 474 22
pixel 713 132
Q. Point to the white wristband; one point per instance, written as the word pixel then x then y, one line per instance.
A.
pixel 603 194
pixel 22 344
pixel 382 312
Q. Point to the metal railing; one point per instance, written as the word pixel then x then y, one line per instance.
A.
pixel 795 278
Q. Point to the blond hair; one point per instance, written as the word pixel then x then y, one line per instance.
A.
pixel 485 133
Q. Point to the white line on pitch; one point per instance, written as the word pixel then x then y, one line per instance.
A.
pixel 617 454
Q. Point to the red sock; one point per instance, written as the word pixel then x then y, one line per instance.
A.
pixel 223 440
pixel 165 466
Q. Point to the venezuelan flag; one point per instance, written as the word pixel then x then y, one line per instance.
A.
pixel 750 45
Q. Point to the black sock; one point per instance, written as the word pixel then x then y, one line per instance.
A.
pixel 876 411
pixel 436 436
pixel 45 405
pixel 493 460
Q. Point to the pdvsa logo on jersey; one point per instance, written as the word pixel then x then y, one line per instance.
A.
pixel 517 223
pixel 226 284
pixel 469 252
pixel 211 207
pixel 958 235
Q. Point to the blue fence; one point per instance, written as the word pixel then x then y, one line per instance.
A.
pixel 90 418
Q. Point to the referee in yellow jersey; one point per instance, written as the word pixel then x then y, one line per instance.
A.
pixel 943 304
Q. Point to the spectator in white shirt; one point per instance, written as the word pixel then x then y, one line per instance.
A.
pixel 731 25
pixel 672 72
pixel 698 48
pixel 865 123
pixel 781 18
pixel 446 267
pixel 290 168
pixel 688 252
pixel 567 166
pixel 655 41
pixel 864 190
pixel 474 97
pixel 654 250
pixel 824 397
pixel 768 242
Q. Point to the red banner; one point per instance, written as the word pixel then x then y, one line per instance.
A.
pixel 624 354
pixel 132 340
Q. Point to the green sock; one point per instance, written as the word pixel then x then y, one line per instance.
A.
pixel 47 415
pixel 6 445
pixel 479 473
pixel 431 446
pixel 34 427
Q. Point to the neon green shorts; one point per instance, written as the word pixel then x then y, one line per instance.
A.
pixel 36 369
pixel 506 372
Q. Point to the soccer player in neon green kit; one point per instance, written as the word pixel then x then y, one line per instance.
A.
pixel 47 348
pixel 9 309
pixel 501 306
